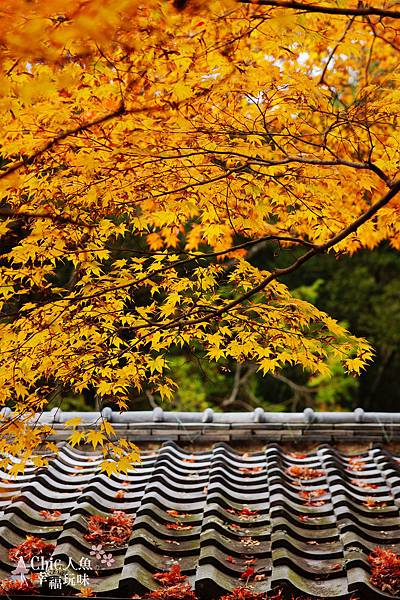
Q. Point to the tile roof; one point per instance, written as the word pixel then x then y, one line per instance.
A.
pixel 159 425
pixel 214 511
pixel 258 415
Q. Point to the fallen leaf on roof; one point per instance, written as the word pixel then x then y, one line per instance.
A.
pixel 175 513
pixel 308 494
pixel 304 472
pixel 115 529
pixel 355 464
pixel 33 546
pixel 86 592
pixel 315 503
pixel 50 515
pixel 243 512
pixel 249 541
pixel 363 484
pixel 18 586
pixel 373 503
pixel 175 592
pixel 249 572
pixel 171 577
pixel 385 570
pixel 249 470
pixel 178 526
pixel 244 593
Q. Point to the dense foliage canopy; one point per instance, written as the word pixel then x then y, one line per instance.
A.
pixel 149 150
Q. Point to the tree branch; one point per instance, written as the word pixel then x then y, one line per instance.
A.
pixel 320 249
pixel 59 138
pixel 327 10
pixel 11 214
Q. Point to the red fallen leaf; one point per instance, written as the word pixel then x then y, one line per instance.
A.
pixel 18 586
pixel 363 484
pixel 175 592
pixel 115 529
pixel 251 561
pixel 313 493
pixel 315 502
pixel 175 513
pixel 172 542
pixel 305 518
pixel 244 512
pixel 189 460
pixel 120 494
pixel 179 525
pixel 249 572
pixel 50 515
pixel 86 592
pixel 297 455
pixel 33 546
pixel 385 570
pixel 335 567
pixel 373 503
pixel 355 464
pixel 248 512
pixel 171 577
pixel 234 526
pixel 125 483
pixel 304 472
pixel 230 559
pixel 250 470
pixel 244 593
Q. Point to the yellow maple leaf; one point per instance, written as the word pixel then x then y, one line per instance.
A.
pixel 95 437
pixel 73 422
pixel 76 438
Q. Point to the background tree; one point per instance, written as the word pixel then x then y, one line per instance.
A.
pixel 149 153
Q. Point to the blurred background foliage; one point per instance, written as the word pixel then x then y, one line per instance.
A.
pixel 362 291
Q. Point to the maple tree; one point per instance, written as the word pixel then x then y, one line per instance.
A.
pixel 148 149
